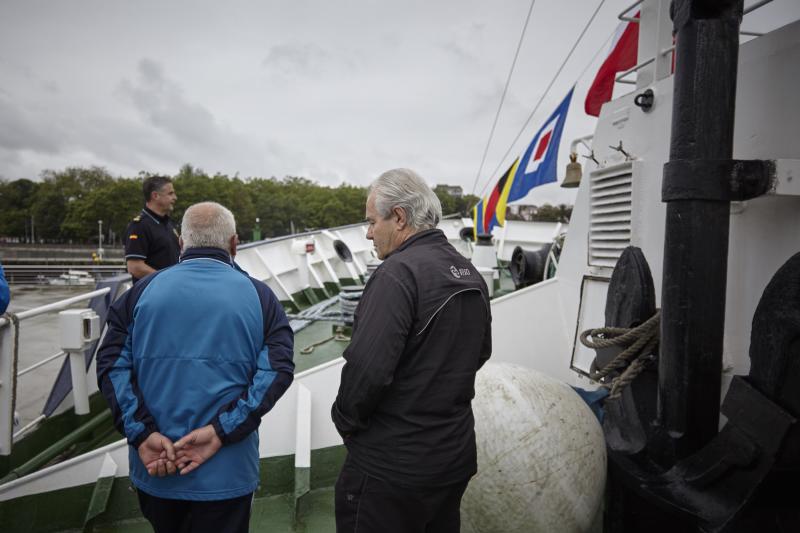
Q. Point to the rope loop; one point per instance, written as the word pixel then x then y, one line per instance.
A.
pixel 338 336
pixel 639 342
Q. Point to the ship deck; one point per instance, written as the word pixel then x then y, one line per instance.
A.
pixel 278 506
pixel 271 513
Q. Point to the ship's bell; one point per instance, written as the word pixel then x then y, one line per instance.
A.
pixel 574 172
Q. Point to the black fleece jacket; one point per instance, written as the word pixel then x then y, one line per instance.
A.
pixel 422 330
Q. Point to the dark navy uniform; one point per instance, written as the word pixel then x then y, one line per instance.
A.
pixel 152 238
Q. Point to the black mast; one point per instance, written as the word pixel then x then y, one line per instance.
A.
pixel 697 223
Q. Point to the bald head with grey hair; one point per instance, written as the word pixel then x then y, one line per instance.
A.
pixel 208 225
pixel 405 189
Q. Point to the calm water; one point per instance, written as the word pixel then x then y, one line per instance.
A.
pixel 38 340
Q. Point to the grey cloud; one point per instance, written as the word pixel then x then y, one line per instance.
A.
pixel 459 52
pixel 305 59
pixel 294 58
pixel 26 131
pixel 51 87
pixel 466 43
pixel 163 104
pixel 151 72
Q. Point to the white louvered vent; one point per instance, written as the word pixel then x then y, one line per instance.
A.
pixel 610 215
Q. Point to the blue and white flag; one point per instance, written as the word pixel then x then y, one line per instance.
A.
pixel 538 165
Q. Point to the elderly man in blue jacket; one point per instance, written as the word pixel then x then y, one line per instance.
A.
pixel 194 356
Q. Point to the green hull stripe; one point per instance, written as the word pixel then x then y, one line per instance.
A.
pixel 70 508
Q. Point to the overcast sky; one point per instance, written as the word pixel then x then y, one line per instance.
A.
pixel 335 91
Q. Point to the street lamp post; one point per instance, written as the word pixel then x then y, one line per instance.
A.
pixel 100 240
pixel 257 230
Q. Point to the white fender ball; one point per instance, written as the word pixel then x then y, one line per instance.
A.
pixel 541 456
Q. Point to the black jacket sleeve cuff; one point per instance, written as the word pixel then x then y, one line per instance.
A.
pixel 219 431
pixel 141 437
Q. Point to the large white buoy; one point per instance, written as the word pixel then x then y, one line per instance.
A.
pixel 541 456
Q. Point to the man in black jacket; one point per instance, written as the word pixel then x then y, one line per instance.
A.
pixel 422 330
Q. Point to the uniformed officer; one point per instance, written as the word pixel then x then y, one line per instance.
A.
pixel 151 240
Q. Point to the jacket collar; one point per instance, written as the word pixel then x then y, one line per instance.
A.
pixel 428 235
pixel 207 253
pixel 152 214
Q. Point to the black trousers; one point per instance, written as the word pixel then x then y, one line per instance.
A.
pixel 365 504
pixel 186 516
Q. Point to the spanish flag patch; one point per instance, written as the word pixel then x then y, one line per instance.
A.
pixel 133 237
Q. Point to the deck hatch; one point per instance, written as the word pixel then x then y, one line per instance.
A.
pixel 610 214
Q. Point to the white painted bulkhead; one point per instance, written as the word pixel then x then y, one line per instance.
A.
pixel 763 232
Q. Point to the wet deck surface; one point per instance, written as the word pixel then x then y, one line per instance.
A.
pixel 273 514
pixel 313 334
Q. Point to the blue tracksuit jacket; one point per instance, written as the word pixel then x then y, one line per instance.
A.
pixel 195 344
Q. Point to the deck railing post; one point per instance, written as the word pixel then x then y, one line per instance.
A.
pixel 8 335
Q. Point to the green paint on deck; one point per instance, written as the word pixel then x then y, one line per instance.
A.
pixel 302 486
pixel 311 334
pixel 66 509
pixel 311 296
pixel 272 514
pixel 331 288
pixel 49 431
pixel 99 501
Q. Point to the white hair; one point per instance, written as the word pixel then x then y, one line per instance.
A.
pixel 207 225
pixel 405 189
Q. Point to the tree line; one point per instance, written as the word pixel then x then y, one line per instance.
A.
pixel 65 206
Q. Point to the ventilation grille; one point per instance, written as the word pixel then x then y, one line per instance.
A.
pixel 610 216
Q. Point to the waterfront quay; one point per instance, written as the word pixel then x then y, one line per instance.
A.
pixel 40 263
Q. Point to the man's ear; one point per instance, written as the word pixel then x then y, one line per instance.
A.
pixel 399 215
pixel 233 243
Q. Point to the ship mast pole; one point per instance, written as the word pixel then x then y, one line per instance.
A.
pixel 697 225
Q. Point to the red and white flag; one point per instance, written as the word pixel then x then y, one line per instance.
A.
pixel 622 57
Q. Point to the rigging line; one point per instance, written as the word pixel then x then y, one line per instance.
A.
pixel 503 97
pixel 601 48
pixel 536 108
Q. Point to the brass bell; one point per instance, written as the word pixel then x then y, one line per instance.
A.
pixel 574 172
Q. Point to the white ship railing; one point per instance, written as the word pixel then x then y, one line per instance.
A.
pixel 9 350
pixel 621 78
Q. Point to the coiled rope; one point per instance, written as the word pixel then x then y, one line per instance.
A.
pixel 338 336
pixel 639 342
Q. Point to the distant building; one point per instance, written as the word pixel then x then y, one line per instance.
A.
pixel 542 213
pixel 453 190
pixel 521 212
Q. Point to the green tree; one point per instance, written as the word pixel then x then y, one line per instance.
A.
pixel 461 205
pixel 551 213
pixel 56 192
pixel 16 198
pixel 115 203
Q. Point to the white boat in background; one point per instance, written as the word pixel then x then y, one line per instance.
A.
pixel 73 278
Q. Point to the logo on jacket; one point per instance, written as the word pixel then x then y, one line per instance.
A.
pixel 458 272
